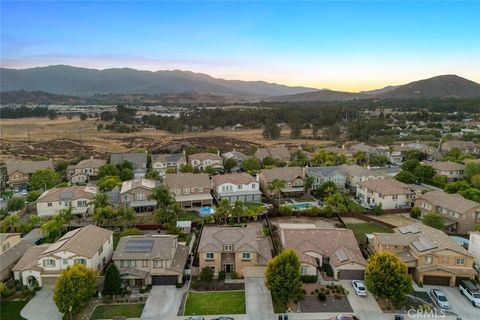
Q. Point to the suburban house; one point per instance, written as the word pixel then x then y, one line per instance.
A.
pixel 233 249
pixel 20 171
pixel 431 152
pixel 135 194
pixel 276 153
pixel 79 198
pixel 138 160
pixel 460 214
pixel 13 248
pixel 430 255
pixel 390 193
pixel 202 160
pixel 462 146
pixel 164 162
pixel 326 174
pixel 190 189
pixel 91 246
pixel 367 149
pixel 237 156
pixel 150 260
pixel 294 178
pixel 236 186
pixel 84 171
pixel 354 174
pixel 340 250
pixel 474 246
pixel 452 170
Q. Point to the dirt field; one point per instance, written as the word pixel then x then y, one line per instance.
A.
pixel 67 139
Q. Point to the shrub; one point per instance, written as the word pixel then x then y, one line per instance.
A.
pixel 328 269
pixel 195 284
pixel 309 278
pixel 327 292
pixel 415 213
pixel 234 275
pixel 179 284
pixel 221 275
pixel 338 296
pixel 321 296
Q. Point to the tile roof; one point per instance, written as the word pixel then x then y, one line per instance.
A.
pixel 190 180
pixel 18 251
pixel 90 163
pixel 170 157
pixel 204 156
pixel 386 186
pixel 234 178
pixel 357 171
pixel 139 158
pixel 281 153
pixel 137 182
pixel 459 144
pixel 282 173
pixel 29 259
pixel 446 165
pixel 27 166
pixel 324 171
pixel 235 155
pixel 68 194
pixel 454 202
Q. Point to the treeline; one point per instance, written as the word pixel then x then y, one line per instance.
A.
pixel 25 112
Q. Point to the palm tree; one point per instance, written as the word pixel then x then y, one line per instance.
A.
pixel 100 200
pixel 66 215
pixel 309 181
pixel 11 223
pixel 223 210
pixel 277 186
pixel 163 197
pixel 127 215
pixel 238 210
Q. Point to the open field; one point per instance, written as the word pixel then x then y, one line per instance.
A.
pixel 64 139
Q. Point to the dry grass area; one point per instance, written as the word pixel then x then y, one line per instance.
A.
pixel 64 139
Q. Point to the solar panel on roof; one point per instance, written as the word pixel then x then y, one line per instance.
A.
pixel 66 195
pixel 341 255
pixel 139 246
pixel 424 244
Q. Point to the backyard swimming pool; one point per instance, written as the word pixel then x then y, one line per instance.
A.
pixel 299 206
pixel 205 211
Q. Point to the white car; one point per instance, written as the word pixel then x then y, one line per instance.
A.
pixel 440 298
pixel 359 288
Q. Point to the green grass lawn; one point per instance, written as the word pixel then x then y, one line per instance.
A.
pixel 253 205
pixel 10 310
pixel 108 311
pixel 190 215
pixel 206 303
pixel 360 229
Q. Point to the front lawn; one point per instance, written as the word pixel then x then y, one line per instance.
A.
pixel 201 303
pixel 360 229
pixel 10 310
pixel 109 311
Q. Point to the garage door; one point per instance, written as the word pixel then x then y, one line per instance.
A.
pixel 164 280
pixel 351 274
pixel 458 279
pixel 436 280
pixel 49 282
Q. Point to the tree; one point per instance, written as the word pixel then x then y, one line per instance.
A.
pixel 410 165
pixel 415 213
pixel 238 210
pixel 100 200
pixel 309 182
pixel 471 194
pixel 113 282
pixel 11 223
pixel 387 277
pixel 434 220
pixel 377 209
pixel 282 277
pixel 108 170
pixel 455 187
pixel 163 197
pixel 32 196
pixel 223 210
pixel 229 164
pixel 206 276
pixel 477 227
pixel 44 179
pixel 252 149
pixel 15 204
pixel 107 183
pixel 74 288
pixel 424 172
pixel 440 180
pixel 186 168
pixel 126 174
pixel 295 127
pixel 209 169
pixel 406 177
pixel 83 116
pixel 52 229
pixel 153 174
pixel 268 161
pixel 251 165
pixel 475 181
pixel 285 210
pixel 472 169
pixel 271 130
pixel 277 186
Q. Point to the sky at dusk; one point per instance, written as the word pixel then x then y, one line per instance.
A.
pixel 347 46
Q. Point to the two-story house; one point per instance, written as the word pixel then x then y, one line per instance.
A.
pixel 278 153
pixel 452 170
pixel 136 193
pixel 91 246
pixel 84 171
pixel 460 214
pixel 20 171
pixel 430 255
pixel 79 198
pixel 190 189
pixel 150 259
pixel 171 162
pixel 294 178
pixel 138 160
pixel 325 174
pixel 389 193
pixel 474 246
pixel 462 146
pixel 354 174
pixel 232 249
pixel 8 240
pixel 200 161
pixel 236 186
pixel 339 249
pixel 237 156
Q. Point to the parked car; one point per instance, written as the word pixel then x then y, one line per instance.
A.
pixel 440 298
pixel 398 317
pixel 24 192
pixel 345 317
pixel 223 318
pixel 195 318
pixel 470 291
pixel 359 288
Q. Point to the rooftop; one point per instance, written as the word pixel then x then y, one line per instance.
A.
pixel 190 180
pixel 234 178
pixel 68 194
pixel 386 186
pixel 28 166
pixel 282 173
pixel 446 165
pixel 137 182
pixel 453 202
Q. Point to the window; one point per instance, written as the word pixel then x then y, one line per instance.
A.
pixel 49 204
pixel 80 261
pixel 145 263
pixel 240 187
pixel 228 247
pixel 128 263
pixel 254 185
pixel 65 261
pixel 210 256
pixel 49 263
pixel 186 190
pixel 157 263
pixel 82 203
pixel 395 197
pixel 460 261
pixel 200 190
pixel 140 196
pixel 303 271
pixel 445 260
pixel 428 260
pixel 246 256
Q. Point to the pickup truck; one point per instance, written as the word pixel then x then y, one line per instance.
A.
pixel 470 291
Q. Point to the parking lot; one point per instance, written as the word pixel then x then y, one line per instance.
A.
pixel 458 303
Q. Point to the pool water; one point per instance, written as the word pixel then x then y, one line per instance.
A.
pixel 301 206
pixel 205 211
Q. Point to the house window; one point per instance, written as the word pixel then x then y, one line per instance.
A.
pixel 428 260
pixel 239 187
pixel 49 204
pixel 49 263
pixel 210 256
pixel 80 261
pixel 186 190
pixel 246 256
pixel 65 261
pixel 158 264
pixel 140 196
pixel 303 270
pixel 460 261
pixel 228 247
pixel 145 263
pixel 82 203
pixel 445 260
pixel 395 197
pixel 254 185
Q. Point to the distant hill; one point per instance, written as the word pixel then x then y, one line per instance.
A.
pixel 67 80
pixel 320 95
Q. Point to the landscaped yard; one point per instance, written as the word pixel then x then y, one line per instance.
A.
pixel 360 229
pixel 189 216
pixel 253 205
pixel 201 303
pixel 108 311
pixel 10 310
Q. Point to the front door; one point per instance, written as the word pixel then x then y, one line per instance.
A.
pixel 228 268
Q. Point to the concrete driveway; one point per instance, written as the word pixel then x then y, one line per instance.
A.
pixel 458 303
pixel 364 307
pixel 258 299
pixel 41 307
pixel 163 303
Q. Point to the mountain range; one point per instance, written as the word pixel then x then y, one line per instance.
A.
pixel 177 85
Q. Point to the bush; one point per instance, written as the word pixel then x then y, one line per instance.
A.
pixel 221 275
pixel 327 292
pixel 415 213
pixel 327 269
pixel 338 296
pixel 234 275
pixel 285 210
pixel 195 284
pixel 321 296
pixel 179 284
pixel 309 279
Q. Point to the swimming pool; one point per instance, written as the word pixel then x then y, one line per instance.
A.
pixel 301 206
pixel 205 211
